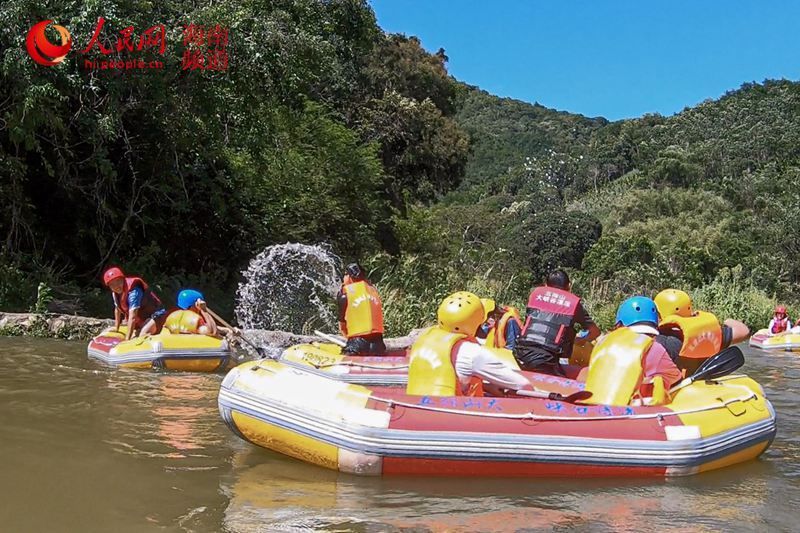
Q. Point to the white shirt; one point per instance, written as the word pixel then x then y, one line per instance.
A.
pixel 474 360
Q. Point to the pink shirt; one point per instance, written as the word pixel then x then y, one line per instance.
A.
pixel 657 362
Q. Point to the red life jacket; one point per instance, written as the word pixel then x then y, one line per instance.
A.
pixel 549 324
pixel 779 326
pixel 150 301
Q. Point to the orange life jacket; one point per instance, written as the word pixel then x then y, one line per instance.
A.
pixel 510 313
pixel 364 314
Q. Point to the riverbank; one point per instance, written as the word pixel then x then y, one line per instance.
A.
pixel 72 327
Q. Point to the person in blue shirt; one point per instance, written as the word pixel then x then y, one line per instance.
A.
pixel 135 302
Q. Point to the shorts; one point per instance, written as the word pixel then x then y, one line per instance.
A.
pixel 537 359
pixel 368 345
pixel 159 317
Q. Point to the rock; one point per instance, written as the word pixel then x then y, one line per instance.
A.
pixel 84 328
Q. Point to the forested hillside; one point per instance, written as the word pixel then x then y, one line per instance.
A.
pixel 326 129
pixel 704 200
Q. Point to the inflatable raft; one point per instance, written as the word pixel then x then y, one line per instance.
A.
pixel 382 431
pixel 184 352
pixel 386 370
pixel 783 342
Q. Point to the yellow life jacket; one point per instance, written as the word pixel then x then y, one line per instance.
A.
pixel 183 322
pixel 364 314
pixel 497 335
pixel 431 371
pixel 701 332
pixel 615 370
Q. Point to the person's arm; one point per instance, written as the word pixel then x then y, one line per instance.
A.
pixel 211 324
pixel 132 314
pixel 134 302
pixel 117 318
pixel 739 331
pixel 512 332
pixel 475 360
pixel 341 302
pixel 771 325
pixel 586 322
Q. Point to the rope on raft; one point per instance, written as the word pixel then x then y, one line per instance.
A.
pixel 549 418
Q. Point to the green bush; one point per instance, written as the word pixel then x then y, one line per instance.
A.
pixel 732 295
pixel 17 288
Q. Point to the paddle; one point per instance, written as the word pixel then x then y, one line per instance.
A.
pixel 716 366
pixel 571 398
pixel 259 350
pixel 330 338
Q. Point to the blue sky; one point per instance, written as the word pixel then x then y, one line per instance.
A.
pixel 616 59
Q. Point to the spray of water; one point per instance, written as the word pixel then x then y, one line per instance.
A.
pixel 290 287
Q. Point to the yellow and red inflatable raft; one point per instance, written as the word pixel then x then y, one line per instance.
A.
pixel 182 352
pixel 382 431
pixel 386 370
pixel 782 342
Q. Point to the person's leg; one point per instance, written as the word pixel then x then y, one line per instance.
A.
pixel 377 346
pixel 354 345
pixel 154 324
pixel 148 328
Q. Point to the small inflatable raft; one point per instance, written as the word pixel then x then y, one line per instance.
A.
pixel 184 352
pixel 783 342
pixel 382 431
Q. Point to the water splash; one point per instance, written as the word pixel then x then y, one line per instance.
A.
pixel 290 287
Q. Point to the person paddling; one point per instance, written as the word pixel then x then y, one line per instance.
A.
pixel 193 316
pixel 446 359
pixel 136 302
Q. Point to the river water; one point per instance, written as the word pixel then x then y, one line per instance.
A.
pixel 89 448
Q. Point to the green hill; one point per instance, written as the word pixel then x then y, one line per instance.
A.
pixel 346 135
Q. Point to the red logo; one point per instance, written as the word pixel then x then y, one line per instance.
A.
pixel 43 51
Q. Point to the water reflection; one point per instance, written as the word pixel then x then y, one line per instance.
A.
pixel 89 448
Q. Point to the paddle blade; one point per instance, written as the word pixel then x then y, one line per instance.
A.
pixel 579 396
pixel 721 364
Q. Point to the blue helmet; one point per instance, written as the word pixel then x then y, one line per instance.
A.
pixel 638 309
pixel 187 298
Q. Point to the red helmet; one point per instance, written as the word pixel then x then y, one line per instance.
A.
pixel 111 274
pixel 780 309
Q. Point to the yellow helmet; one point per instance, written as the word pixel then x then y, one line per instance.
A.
pixel 488 305
pixel 461 312
pixel 673 302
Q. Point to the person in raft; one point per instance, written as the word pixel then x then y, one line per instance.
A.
pixel 193 316
pixel 633 360
pixel 446 359
pixel 640 315
pixel 134 301
pixel 700 333
pixel 360 313
pixel 780 321
pixel 549 329
pixel 502 325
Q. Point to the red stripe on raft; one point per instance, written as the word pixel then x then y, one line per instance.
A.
pixel 104 344
pixel 455 467
pixel 584 426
